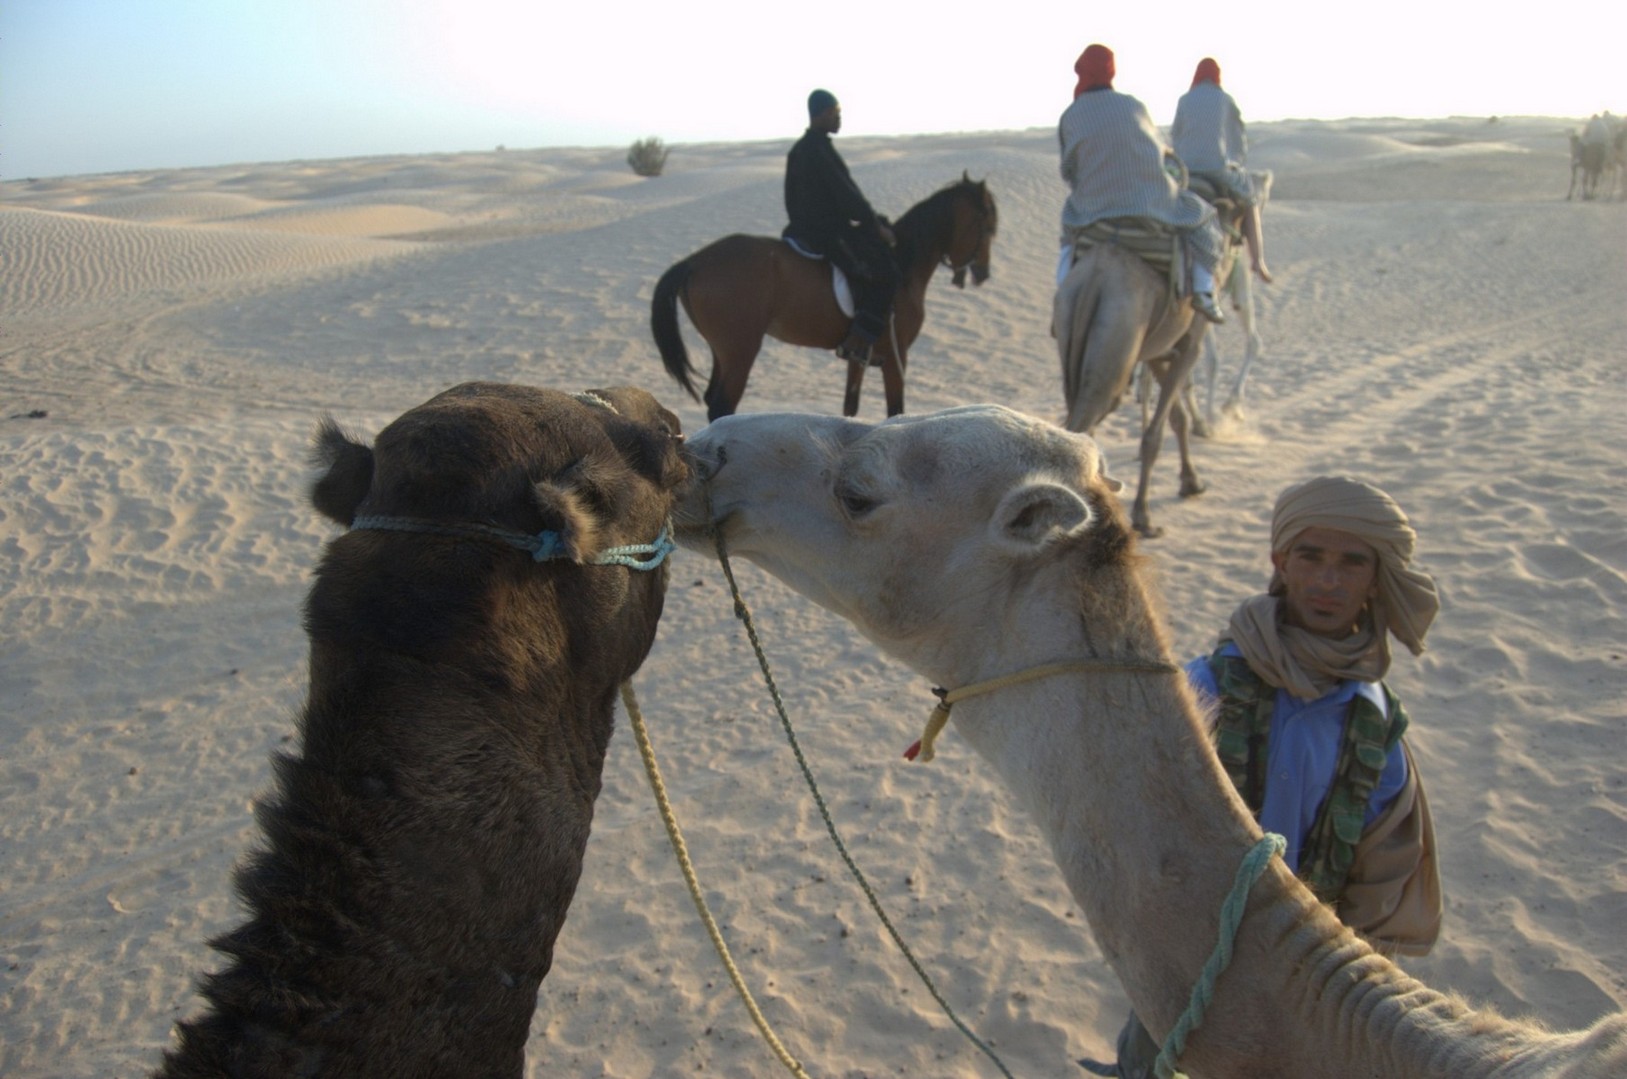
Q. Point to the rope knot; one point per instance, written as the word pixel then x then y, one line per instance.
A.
pixel 922 749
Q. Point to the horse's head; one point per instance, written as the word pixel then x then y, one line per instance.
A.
pixel 975 222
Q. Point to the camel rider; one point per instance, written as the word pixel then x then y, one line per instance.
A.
pixel 1308 731
pixel 1113 162
pixel 1209 139
pixel 1599 130
pixel 831 218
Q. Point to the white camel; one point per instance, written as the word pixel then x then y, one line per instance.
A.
pixel 1239 289
pixel 1032 563
pixel 1112 312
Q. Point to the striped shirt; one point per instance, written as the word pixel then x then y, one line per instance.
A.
pixel 1113 159
pixel 1208 131
pixel 1209 138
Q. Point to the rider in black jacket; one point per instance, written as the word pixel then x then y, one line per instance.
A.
pixel 831 217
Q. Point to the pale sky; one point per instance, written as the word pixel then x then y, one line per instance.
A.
pixel 112 85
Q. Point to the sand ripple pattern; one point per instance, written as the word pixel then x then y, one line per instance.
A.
pixel 1442 322
pixel 50 261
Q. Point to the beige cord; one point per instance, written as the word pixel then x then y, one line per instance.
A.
pixel 646 751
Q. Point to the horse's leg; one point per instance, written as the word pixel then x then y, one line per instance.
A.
pixel 855 381
pixel 731 364
pixel 892 381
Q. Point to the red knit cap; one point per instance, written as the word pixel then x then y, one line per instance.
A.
pixel 1208 71
pixel 1094 68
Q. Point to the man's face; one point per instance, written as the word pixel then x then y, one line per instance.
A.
pixel 1330 576
pixel 830 120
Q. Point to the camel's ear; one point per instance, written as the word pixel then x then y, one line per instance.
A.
pixel 573 500
pixel 1101 470
pixel 1036 515
pixel 349 474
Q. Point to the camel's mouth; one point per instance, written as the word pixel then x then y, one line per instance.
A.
pixel 692 513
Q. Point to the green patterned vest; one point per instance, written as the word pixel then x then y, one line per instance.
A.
pixel 1242 732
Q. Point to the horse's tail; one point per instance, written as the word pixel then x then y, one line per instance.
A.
pixel 664 324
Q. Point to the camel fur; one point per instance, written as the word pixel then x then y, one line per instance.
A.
pixel 424 840
pixel 1031 563
pixel 1111 312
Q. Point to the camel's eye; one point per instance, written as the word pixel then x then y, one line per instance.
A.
pixel 855 503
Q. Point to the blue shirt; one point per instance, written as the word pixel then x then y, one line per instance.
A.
pixel 1303 753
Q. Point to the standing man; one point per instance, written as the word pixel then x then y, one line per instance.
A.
pixel 1309 732
pixel 831 218
pixel 1113 163
pixel 1209 139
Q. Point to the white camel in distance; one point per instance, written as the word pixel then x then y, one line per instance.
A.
pixel 1031 562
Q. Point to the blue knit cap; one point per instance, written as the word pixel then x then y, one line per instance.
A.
pixel 819 101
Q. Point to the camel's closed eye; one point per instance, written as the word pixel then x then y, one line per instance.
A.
pixel 854 502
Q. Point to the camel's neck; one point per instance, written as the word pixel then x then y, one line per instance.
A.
pixel 1117 772
pixel 421 853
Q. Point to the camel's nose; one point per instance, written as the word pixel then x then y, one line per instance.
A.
pixel 704 459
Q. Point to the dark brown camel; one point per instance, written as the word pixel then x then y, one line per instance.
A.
pixel 468 635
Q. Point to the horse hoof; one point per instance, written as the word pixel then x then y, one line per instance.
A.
pixel 1193 488
pixel 1148 530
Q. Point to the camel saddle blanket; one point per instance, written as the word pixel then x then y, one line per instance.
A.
pixel 1223 201
pixel 838 279
pixel 1153 242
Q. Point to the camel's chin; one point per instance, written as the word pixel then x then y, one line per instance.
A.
pixel 693 536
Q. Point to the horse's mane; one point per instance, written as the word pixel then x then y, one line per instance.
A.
pixel 932 216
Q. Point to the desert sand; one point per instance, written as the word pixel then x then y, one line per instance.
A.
pixel 1443 324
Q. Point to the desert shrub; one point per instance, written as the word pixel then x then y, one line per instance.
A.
pixel 647 156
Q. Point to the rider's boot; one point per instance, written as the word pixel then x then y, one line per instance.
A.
pixel 1203 295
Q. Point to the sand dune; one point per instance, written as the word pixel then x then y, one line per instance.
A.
pixel 1444 323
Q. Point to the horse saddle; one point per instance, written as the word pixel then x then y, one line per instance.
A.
pixel 838 279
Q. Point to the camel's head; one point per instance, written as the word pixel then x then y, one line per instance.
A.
pixel 906 527
pixel 452 487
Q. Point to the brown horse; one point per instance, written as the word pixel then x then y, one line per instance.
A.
pixel 742 288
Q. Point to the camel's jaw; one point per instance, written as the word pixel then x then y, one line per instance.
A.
pixel 693 517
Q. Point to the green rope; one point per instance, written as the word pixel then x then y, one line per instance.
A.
pixel 744 614
pixel 1231 916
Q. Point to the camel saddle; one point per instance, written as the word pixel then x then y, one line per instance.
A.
pixel 1155 243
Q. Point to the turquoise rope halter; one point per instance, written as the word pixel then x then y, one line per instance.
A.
pixel 1231 916
pixel 544 546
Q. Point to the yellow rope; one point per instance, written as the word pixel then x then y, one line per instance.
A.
pixel 947 698
pixel 647 751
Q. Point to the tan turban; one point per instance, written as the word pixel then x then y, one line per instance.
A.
pixel 1308 665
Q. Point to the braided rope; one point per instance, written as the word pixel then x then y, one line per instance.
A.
pixel 923 749
pixel 545 546
pixel 647 752
pixel 743 613
pixel 1231 916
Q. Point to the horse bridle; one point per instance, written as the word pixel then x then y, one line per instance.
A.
pixel 958 273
